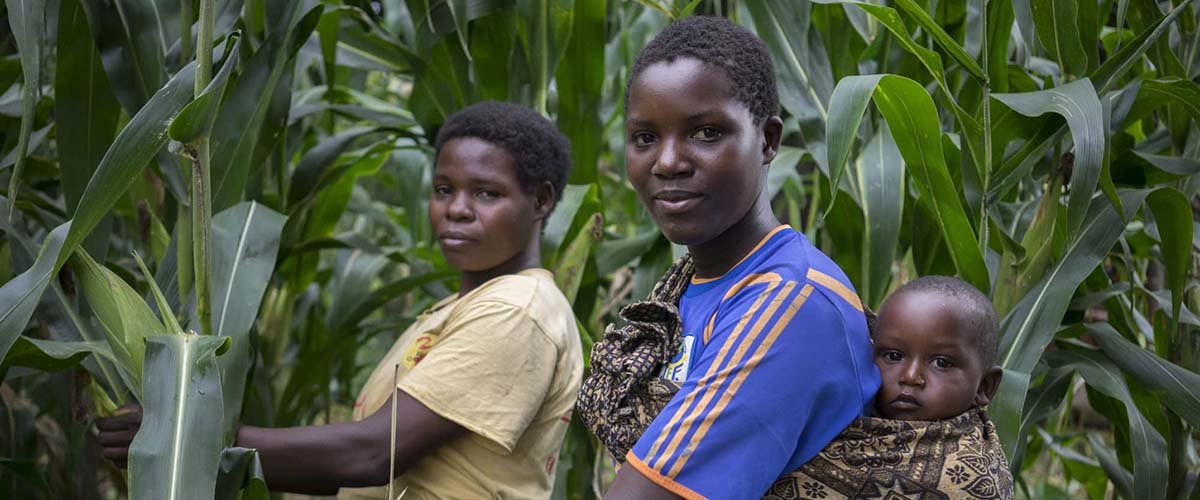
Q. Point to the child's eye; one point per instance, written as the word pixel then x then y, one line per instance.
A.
pixel 441 190
pixel 942 363
pixel 892 356
pixel 487 195
pixel 642 138
pixel 707 134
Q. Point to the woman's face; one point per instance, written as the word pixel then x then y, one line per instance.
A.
pixel 692 151
pixel 481 215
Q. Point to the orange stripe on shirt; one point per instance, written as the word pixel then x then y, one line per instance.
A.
pixel 740 378
pixel 836 287
pixel 721 355
pixel 763 241
pixel 661 480
pixel 747 282
pixel 712 384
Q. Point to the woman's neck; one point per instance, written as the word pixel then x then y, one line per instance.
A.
pixel 528 258
pixel 717 256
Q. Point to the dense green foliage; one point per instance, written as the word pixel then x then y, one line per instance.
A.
pixel 1047 151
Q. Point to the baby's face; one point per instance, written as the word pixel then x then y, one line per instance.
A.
pixel 931 368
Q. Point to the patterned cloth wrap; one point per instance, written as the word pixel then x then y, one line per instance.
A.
pixel 958 458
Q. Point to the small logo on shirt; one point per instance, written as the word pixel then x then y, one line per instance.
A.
pixel 677 371
pixel 418 349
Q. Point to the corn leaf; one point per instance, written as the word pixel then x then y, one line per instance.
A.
pixel 580 89
pixel 123 315
pixel 1055 22
pixel 1176 386
pixel 245 243
pixel 910 112
pixel 241 475
pixel 134 147
pixel 1173 217
pixel 245 107
pixel 85 113
pixel 19 296
pixel 196 120
pixel 880 177
pixel 177 450
pixel 1149 461
pixel 52 355
pixel 26 19
pixel 129 34
pixel 802 67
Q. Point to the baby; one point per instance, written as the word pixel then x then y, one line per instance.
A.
pixel 936 350
pixel 935 346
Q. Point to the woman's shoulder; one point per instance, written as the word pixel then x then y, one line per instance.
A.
pixel 531 293
pixel 521 289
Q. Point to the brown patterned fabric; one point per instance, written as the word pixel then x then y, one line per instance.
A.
pixel 624 392
pixel 954 459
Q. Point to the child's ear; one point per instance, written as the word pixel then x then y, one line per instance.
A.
pixel 772 136
pixel 988 386
pixel 543 200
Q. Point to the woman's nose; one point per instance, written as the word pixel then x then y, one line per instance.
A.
pixel 671 161
pixel 460 207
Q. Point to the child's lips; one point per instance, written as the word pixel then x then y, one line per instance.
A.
pixel 905 402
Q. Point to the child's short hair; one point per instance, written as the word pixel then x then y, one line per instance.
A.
pixel 718 42
pixel 972 303
pixel 540 151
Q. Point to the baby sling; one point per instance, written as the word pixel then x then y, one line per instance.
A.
pixel 958 458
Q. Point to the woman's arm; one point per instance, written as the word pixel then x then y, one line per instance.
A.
pixel 318 460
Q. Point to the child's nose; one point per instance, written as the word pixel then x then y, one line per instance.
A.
pixel 910 374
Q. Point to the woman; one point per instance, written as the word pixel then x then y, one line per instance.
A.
pixel 774 359
pixel 486 378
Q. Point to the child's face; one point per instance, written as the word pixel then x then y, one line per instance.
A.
pixel 693 152
pixel 930 365
pixel 481 215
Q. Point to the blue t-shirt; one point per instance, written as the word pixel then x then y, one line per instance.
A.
pixel 776 361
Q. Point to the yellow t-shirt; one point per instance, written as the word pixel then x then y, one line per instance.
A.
pixel 504 361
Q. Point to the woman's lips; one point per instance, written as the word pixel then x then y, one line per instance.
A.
pixel 675 201
pixel 454 240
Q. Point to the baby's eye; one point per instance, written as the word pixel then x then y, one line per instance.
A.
pixel 707 134
pixel 892 356
pixel 942 363
pixel 643 138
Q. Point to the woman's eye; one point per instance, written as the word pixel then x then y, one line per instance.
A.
pixel 707 134
pixel 643 138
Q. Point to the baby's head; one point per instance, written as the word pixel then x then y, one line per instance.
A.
pixel 936 350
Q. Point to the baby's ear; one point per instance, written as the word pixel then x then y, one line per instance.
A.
pixel 988 386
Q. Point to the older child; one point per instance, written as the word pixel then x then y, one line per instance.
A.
pixel 774 358
pixel 487 377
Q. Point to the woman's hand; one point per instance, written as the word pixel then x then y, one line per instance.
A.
pixel 117 432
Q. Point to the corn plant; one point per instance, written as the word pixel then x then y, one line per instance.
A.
pixel 270 161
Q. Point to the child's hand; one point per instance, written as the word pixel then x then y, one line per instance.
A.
pixel 117 432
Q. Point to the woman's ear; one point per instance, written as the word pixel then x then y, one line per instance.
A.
pixel 543 200
pixel 988 386
pixel 772 136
